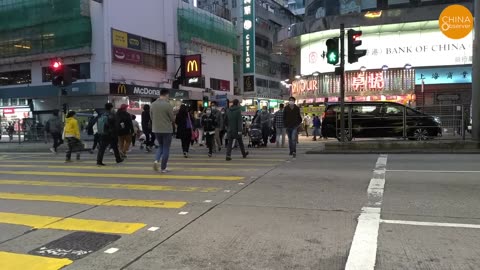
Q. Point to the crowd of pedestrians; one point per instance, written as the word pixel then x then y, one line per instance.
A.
pixel 214 126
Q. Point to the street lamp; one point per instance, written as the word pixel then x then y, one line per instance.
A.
pixel 298 76
pixel 316 74
pixel 287 80
pixel 384 67
pixel 363 69
pixel 408 66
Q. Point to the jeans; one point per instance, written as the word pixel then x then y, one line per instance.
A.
pixel 104 142
pixel 200 136
pixel 57 139
pixel 292 139
pixel 316 132
pixel 218 142
pixel 209 138
pixel 230 140
pixel 163 151
pixel 280 132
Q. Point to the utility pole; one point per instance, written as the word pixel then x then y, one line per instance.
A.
pixel 476 74
pixel 342 82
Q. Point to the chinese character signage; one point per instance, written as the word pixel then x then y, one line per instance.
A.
pixel 443 75
pixel 367 81
pixel 248 36
pixel 192 66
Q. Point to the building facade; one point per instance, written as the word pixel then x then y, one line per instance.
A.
pixel 121 52
pixel 409 60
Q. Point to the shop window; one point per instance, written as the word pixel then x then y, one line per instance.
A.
pixel 221 85
pixel 16 77
pixel 79 71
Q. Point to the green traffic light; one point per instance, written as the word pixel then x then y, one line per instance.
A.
pixel 332 58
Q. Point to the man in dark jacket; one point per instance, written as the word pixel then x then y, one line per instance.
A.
pixel 292 120
pixel 147 128
pixel 107 129
pixel 55 128
pixel 125 130
pixel 234 125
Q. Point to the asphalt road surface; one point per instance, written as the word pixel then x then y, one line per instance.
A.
pixel 268 211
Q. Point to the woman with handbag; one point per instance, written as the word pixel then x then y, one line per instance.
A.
pixel 184 128
pixel 72 135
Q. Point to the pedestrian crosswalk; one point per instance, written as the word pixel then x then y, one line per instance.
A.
pixel 40 192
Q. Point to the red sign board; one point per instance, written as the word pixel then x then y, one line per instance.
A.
pixel 9 111
pixel 127 56
pixel 192 66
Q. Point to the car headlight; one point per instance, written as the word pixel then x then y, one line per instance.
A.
pixel 437 120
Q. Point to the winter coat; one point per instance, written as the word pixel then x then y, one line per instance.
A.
pixel 71 128
pixel 54 125
pixel 292 117
pixel 124 123
pixel 234 122
pixel 209 122
pixel 183 131
pixel 146 121
pixel 316 122
pixel 161 113
pixel 264 119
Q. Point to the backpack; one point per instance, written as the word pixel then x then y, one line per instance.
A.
pixel 102 124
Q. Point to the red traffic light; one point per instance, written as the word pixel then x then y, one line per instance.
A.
pixel 356 37
pixel 56 64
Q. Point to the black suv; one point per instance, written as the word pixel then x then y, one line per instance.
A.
pixel 379 119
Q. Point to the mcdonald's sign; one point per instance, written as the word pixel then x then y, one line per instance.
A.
pixel 192 66
pixel 122 89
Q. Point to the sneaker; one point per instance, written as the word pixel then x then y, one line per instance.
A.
pixel 209 154
pixel 185 154
pixel 291 153
pixel 165 171
pixel 68 161
pixel 101 164
pixel 294 155
pixel 228 158
pixel 246 154
pixel 155 166
pixel 120 161
pixel 53 150
pixel 111 151
pixel 91 151
pixel 219 149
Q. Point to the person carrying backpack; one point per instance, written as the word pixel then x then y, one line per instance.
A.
pixel 125 129
pixel 106 125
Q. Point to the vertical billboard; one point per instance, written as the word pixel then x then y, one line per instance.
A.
pixel 248 36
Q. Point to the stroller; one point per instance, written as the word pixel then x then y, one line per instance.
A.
pixel 255 135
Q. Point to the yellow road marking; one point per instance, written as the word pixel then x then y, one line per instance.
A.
pixel 117 168
pixel 12 261
pixel 70 224
pixel 234 164
pixel 108 186
pixel 92 201
pixel 130 176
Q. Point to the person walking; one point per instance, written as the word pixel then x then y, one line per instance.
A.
pixel 147 128
pixel 184 128
pixel 292 120
pixel 198 125
pixel 306 123
pixel 234 125
pixel 72 135
pixel 279 126
pixel 125 130
pixel 92 129
pixel 316 127
pixel 107 129
pixel 54 126
pixel 209 124
pixel 264 121
pixel 217 143
pixel 136 129
pixel 161 114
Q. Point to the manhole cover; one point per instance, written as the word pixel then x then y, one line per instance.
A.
pixel 75 245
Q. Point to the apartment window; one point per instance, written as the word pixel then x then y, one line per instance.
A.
pixel 262 83
pixel 234 3
pixel 154 54
pixel 16 77
pixel 273 85
pixel 79 71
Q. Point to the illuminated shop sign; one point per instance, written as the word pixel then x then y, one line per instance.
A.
pixel 419 49
pixel 248 36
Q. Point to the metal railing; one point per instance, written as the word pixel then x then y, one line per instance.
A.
pixel 422 123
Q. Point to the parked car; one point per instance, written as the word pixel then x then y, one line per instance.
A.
pixel 379 119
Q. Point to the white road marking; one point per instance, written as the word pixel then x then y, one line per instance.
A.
pixel 183 213
pixel 152 229
pixel 432 224
pixel 241 184
pixel 432 171
pixel 111 250
pixel 363 252
pixel 207 201
pixel 227 191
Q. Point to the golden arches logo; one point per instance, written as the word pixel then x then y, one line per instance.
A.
pixel 192 66
pixel 122 89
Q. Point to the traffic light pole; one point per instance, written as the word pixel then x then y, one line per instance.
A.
pixel 476 75
pixel 342 82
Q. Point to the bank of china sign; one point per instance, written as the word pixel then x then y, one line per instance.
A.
pixel 248 36
pixel 420 49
